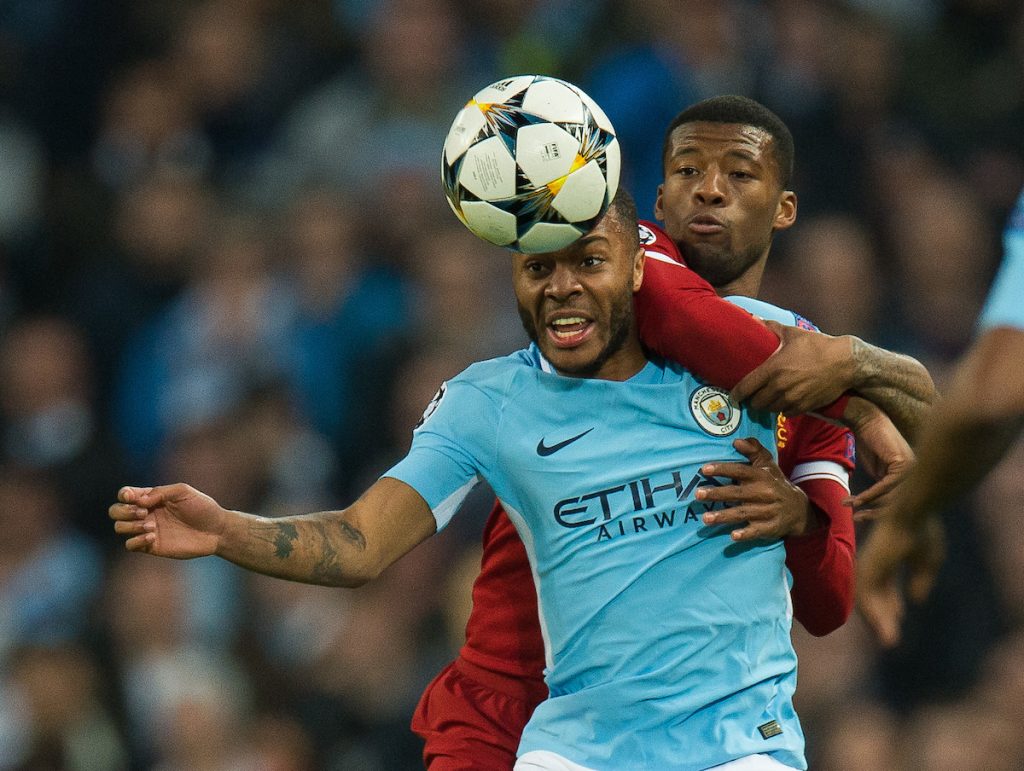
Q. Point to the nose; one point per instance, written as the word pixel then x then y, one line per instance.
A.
pixel 710 190
pixel 563 283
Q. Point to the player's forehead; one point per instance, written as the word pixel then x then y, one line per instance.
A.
pixel 715 139
pixel 605 237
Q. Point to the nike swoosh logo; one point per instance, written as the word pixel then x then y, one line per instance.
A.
pixel 543 450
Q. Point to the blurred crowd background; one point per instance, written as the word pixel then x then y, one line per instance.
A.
pixel 225 258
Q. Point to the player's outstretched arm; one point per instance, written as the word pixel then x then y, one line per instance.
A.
pixel 971 428
pixel 969 431
pixel 811 370
pixel 332 548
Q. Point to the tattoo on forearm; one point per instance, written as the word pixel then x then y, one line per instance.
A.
pixel 318 541
pixel 352 534
pixel 326 569
pixel 286 536
pixel 897 383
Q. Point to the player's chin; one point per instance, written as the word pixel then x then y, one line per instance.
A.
pixel 579 361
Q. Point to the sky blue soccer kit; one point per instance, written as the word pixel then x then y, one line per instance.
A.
pixel 1005 304
pixel 668 645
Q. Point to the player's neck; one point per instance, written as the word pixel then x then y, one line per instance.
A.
pixel 621 365
pixel 746 285
pixel 624 364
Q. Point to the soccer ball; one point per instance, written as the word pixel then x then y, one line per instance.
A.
pixel 530 163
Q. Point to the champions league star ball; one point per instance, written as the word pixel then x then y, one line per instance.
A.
pixel 530 163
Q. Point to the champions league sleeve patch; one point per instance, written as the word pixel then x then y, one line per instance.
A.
pixel 714 411
pixel 432 406
pixel 647 236
pixel 804 323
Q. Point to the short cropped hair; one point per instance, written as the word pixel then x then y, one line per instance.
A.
pixel 623 209
pixel 747 112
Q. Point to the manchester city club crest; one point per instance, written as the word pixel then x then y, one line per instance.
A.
pixel 714 411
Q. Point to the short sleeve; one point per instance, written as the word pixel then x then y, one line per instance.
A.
pixel 1005 304
pixel 452 447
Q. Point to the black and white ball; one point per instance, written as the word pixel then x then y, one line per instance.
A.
pixel 530 163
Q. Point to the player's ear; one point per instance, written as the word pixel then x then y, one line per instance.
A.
pixel 638 267
pixel 659 213
pixel 785 211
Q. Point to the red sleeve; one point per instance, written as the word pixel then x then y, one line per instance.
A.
pixel 822 562
pixel 680 317
pixel 503 633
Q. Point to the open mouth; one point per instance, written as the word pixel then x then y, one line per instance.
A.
pixel 569 331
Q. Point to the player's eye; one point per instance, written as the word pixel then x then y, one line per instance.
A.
pixel 739 174
pixel 592 261
pixel 686 171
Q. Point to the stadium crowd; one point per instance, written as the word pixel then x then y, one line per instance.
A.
pixel 265 175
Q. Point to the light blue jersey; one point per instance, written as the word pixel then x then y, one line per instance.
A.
pixel 764 310
pixel 1005 304
pixel 668 645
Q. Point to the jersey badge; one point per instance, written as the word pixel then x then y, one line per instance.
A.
pixel 647 236
pixel 714 411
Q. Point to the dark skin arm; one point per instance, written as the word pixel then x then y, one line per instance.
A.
pixel 811 370
pixel 969 431
pixel 330 548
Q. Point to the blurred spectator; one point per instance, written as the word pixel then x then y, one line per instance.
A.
pixel 149 123
pixel 156 229
pixel 197 358
pixel 49 420
pixel 937 236
pixel 520 36
pixel 22 180
pixel 351 313
pixel 861 736
pixel 166 669
pixel 53 709
pixel 934 739
pixel 50 574
pixel 464 300
pixel 643 81
pixel 239 70
pixel 827 273
pixel 383 116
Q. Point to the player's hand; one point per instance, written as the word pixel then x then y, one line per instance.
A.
pixel 884 454
pixel 809 371
pixel 892 547
pixel 171 521
pixel 765 503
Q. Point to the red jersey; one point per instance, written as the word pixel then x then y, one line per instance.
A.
pixel 503 633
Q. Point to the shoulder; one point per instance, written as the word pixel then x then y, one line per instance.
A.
pixel 501 367
pixel 492 379
pixel 1016 221
pixel 765 310
pixel 657 245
